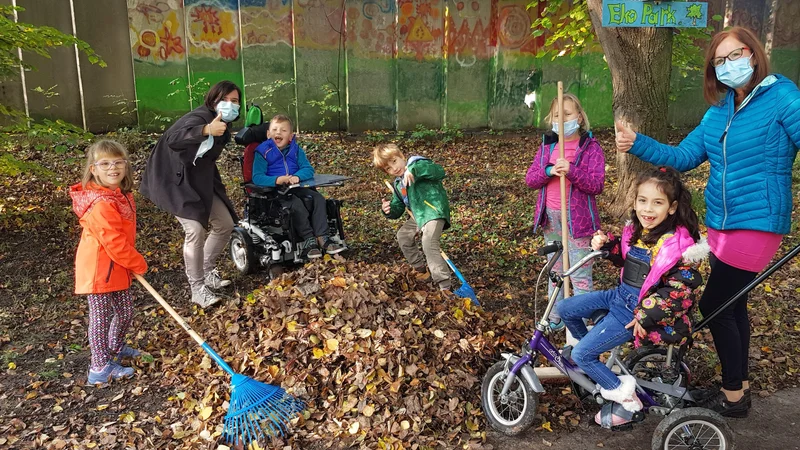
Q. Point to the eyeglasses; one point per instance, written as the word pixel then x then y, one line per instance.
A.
pixel 107 165
pixel 732 56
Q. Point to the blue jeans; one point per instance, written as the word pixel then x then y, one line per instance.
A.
pixel 604 336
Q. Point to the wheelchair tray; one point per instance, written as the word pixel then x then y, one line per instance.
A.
pixel 319 180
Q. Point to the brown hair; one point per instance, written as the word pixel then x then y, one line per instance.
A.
pixel 382 153
pixel 107 148
pixel 668 181
pixel 281 118
pixel 578 107
pixel 712 87
pixel 218 92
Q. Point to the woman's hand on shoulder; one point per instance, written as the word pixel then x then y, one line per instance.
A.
pixel 625 136
pixel 216 128
pixel 599 240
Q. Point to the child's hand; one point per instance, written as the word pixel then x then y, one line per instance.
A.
pixel 293 179
pixel 386 206
pixel 408 178
pixel 599 240
pixel 283 179
pixel 561 168
pixel 638 331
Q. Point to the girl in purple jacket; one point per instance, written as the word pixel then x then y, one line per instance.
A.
pixel 584 167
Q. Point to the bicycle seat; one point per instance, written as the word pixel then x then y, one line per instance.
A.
pixel 598 315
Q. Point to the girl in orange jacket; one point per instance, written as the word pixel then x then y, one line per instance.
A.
pixel 106 256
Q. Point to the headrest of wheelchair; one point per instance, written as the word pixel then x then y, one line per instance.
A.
pixel 254 134
pixel 247 161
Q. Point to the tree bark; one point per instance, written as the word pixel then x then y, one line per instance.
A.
pixel 640 62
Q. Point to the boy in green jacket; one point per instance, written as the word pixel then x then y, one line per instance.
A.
pixel 418 188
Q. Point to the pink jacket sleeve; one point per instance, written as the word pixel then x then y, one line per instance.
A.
pixel 536 178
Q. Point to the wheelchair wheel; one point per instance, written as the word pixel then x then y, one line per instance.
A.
pixel 514 413
pixel 242 251
pixel 693 428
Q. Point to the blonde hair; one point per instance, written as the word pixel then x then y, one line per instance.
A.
pixel 282 118
pixel 383 153
pixel 107 148
pixel 579 109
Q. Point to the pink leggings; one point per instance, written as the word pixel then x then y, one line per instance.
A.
pixel 110 315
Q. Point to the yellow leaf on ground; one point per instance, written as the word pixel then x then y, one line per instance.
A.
pixel 332 344
pixel 12 365
pixel 339 282
pixel 127 417
pixel 318 353
pixel 291 326
pixel 547 427
pixel 206 412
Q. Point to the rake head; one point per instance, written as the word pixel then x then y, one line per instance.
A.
pixel 258 411
pixel 466 291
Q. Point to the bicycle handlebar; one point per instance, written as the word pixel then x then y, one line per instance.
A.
pixel 584 260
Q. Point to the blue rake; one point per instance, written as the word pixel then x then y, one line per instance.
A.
pixel 257 410
pixel 465 291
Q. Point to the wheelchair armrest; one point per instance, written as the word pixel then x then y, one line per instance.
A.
pixel 261 191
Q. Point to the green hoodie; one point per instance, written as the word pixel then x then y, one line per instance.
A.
pixel 426 197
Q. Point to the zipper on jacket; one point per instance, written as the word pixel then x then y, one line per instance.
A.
pixel 110 268
pixel 724 140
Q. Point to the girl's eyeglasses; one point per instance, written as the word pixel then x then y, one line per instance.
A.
pixel 106 165
pixel 732 56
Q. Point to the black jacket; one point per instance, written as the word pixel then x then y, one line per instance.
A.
pixel 177 185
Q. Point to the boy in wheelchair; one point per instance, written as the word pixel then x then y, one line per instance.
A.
pixel 280 162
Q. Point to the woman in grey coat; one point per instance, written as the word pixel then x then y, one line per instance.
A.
pixel 182 178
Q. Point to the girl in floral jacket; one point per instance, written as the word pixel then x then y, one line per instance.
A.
pixel 658 251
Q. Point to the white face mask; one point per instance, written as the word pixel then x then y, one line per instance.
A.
pixel 229 111
pixel 736 73
pixel 570 127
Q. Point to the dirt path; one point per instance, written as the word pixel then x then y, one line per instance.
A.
pixel 772 424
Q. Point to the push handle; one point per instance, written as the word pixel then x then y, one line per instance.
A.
pixel 169 309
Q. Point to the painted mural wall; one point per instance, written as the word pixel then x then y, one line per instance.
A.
pixel 346 64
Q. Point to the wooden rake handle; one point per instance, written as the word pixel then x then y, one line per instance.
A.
pixel 169 309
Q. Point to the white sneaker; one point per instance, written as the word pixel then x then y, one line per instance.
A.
pixel 203 297
pixel 214 280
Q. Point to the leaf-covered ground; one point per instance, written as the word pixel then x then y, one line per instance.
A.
pixel 380 357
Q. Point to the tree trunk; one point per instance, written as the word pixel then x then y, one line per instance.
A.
pixel 640 61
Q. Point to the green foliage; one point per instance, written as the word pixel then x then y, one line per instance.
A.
pixel 267 98
pixel 568 30
pixel 327 107
pixel 35 39
pixel 448 133
pixel 47 134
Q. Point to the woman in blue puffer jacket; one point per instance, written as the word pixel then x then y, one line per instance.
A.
pixel 750 138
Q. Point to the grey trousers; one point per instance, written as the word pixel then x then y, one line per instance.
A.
pixel 431 249
pixel 201 248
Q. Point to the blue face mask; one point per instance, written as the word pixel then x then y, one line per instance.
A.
pixel 570 127
pixel 229 111
pixel 735 74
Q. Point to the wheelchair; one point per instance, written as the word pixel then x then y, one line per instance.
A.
pixel 265 236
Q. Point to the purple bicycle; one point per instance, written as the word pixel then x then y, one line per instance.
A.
pixel 511 387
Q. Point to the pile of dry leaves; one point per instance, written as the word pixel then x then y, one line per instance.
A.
pixel 382 360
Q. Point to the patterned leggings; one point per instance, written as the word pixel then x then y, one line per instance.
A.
pixel 110 315
pixel 581 280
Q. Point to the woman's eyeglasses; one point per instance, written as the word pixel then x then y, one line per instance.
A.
pixel 107 165
pixel 732 56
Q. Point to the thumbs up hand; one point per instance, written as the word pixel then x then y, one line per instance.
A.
pixel 217 127
pixel 624 136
